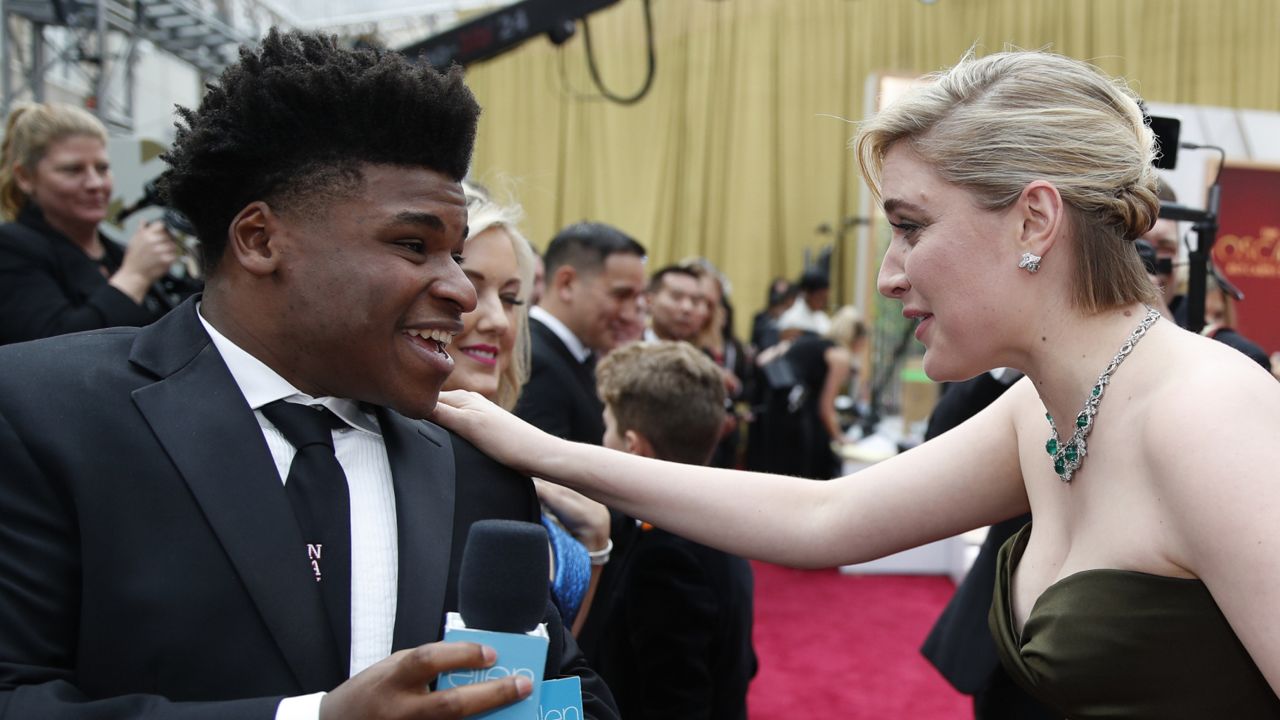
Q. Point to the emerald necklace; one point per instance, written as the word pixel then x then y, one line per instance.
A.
pixel 1069 456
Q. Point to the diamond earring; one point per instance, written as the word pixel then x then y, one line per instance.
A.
pixel 1030 262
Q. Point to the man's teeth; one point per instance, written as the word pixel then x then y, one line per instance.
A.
pixel 440 337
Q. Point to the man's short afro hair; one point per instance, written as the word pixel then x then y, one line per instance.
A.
pixel 297 116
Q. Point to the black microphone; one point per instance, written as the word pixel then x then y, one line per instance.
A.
pixel 502 597
pixel 502 585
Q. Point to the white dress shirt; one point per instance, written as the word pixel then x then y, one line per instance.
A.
pixel 562 331
pixel 362 453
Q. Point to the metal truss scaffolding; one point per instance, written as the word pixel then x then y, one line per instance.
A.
pixel 94 44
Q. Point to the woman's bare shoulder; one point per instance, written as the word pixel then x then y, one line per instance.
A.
pixel 1201 380
pixel 1211 421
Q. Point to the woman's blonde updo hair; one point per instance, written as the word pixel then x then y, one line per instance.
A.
pixel 30 130
pixel 485 213
pixel 994 124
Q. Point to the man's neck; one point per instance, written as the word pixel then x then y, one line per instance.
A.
pixel 232 326
pixel 562 331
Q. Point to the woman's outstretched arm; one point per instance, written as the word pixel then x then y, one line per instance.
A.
pixel 963 479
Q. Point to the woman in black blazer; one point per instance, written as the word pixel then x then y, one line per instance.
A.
pixel 58 274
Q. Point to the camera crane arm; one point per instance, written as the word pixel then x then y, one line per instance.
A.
pixel 492 34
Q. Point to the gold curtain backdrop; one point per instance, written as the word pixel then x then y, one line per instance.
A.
pixel 740 149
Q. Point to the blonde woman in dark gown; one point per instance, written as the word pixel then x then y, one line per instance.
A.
pixel 1147 586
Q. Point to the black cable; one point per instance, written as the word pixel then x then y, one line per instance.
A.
pixel 595 72
pixel 1223 283
pixel 1222 156
pixel 566 85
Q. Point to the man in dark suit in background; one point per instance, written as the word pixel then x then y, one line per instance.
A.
pixel 155 560
pixel 595 281
pixel 960 645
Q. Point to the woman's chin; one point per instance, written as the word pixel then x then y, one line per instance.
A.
pixel 474 379
pixel 940 369
pixel 91 216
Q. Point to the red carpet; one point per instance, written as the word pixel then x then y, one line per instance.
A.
pixel 847 647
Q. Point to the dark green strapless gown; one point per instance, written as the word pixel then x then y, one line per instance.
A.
pixel 1124 644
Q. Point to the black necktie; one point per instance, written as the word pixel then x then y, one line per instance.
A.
pixel 317 489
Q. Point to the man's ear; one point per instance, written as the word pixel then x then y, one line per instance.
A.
pixel 1043 217
pixel 638 444
pixel 562 283
pixel 253 239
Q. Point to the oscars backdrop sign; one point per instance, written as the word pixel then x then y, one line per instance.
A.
pixel 1248 248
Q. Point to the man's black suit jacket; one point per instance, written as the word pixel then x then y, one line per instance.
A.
pixel 677 643
pixel 148 556
pixel 560 396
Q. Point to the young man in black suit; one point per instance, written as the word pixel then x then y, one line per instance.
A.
pixel 154 560
pixel 677 640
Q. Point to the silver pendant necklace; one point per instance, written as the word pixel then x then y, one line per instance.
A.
pixel 1069 456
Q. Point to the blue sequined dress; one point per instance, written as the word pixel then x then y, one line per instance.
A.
pixel 572 572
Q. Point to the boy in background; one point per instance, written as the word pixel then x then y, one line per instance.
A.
pixel 677 639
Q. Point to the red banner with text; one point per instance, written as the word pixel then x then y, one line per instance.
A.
pixel 1247 251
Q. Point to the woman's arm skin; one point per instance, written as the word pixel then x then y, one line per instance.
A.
pixel 839 362
pixel 964 479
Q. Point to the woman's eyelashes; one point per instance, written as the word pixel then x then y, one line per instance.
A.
pixel 907 229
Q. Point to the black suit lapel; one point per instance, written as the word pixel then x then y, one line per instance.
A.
pixel 423 472
pixel 206 427
pixel 589 427
pixel 548 338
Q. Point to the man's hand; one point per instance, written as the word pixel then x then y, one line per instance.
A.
pixel 396 688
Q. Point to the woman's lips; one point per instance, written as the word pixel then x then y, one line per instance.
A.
pixel 923 321
pixel 483 354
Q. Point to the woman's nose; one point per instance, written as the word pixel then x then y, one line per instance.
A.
pixel 892 280
pixel 492 314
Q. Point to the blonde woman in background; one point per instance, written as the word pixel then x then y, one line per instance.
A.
pixel 798 428
pixel 1147 586
pixel 58 274
pixel 491 357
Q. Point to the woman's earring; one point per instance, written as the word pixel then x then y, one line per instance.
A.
pixel 1030 262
